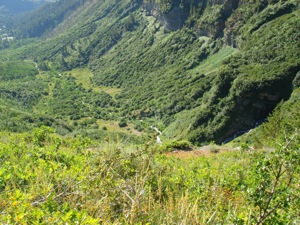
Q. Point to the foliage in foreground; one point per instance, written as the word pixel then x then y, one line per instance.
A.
pixel 44 179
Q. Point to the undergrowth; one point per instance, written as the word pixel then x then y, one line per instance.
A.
pixel 45 179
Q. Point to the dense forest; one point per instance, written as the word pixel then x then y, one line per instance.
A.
pixel 150 112
pixel 215 63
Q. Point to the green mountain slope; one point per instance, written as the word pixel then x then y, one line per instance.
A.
pixel 202 70
pixel 99 109
pixel 11 9
pixel 46 18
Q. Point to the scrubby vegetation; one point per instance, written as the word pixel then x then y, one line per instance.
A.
pixel 82 103
pixel 48 179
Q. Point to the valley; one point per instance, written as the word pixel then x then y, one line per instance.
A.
pixel 150 112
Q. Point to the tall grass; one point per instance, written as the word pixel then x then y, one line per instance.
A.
pixel 48 180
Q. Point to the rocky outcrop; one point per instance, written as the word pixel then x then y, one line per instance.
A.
pixel 213 21
pixel 211 16
pixel 170 20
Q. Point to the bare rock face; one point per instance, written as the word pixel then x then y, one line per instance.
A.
pixel 171 20
pixel 178 12
pixel 175 19
pixel 229 32
pixel 228 5
pixel 214 22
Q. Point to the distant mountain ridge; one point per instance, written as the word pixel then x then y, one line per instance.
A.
pixel 45 18
pixel 10 9
pixel 19 6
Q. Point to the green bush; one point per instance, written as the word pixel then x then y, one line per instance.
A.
pixel 122 123
pixel 176 145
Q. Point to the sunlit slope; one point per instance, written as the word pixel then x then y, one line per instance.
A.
pixel 225 71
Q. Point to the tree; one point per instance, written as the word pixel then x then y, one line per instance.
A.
pixel 276 195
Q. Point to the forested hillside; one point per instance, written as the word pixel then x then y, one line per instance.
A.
pixel 219 69
pixel 11 8
pixel 11 13
pixel 40 22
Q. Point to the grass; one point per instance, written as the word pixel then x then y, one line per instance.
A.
pixel 111 125
pixel 83 76
pixel 213 63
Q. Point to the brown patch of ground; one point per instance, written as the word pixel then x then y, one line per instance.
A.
pixel 202 151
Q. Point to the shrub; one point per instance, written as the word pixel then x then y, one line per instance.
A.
pixel 214 149
pixel 176 145
pixel 244 146
pixel 123 123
